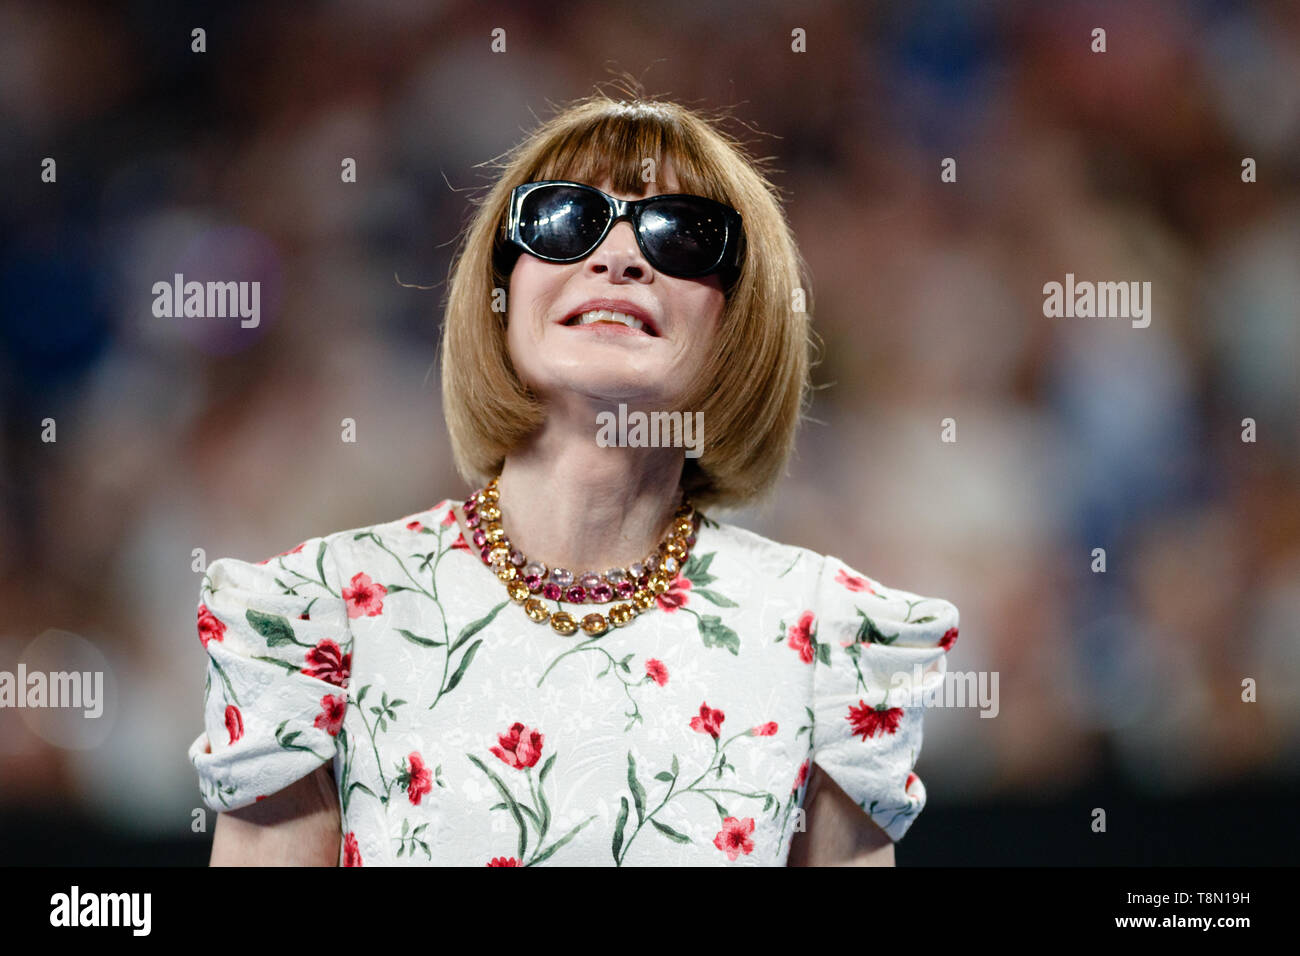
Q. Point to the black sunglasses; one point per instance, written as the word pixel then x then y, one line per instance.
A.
pixel 679 234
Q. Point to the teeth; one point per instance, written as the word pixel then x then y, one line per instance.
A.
pixel 608 315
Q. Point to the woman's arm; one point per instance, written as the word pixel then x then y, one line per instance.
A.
pixel 837 831
pixel 298 826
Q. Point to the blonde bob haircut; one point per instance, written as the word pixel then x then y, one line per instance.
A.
pixel 754 388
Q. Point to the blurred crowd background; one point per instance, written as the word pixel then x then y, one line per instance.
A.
pixel 1119 690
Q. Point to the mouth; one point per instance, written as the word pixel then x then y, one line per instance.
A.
pixel 627 317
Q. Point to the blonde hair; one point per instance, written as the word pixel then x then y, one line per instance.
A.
pixel 754 388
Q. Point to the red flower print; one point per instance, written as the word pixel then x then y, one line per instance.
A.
pixel 764 730
pixel 210 628
pixel 520 747
pixel 460 543
pixel 283 554
pixel 803 776
pixel 234 722
pixel 351 852
pixel 420 779
pixel 656 671
pixel 709 721
pixel 328 662
pixel 733 839
pixel 801 637
pixel 364 597
pixel 675 596
pixel 449 518
pixel 914 795
pixel 330 719
pixel 869 721
pixel 949 639
pixel 853 582
pixel 503 861
pixel 414 526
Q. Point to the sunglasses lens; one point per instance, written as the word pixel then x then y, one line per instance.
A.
pixel 684 236
pixel 561 222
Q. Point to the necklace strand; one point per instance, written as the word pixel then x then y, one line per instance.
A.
pixel 483 514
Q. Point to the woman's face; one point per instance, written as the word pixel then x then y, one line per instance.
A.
pixel 607 361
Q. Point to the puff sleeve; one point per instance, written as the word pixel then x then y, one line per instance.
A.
pixel 279 654
pixel 877 649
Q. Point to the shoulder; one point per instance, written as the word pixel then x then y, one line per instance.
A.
pixel 851 601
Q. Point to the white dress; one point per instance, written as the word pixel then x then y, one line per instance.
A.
pixel 461 733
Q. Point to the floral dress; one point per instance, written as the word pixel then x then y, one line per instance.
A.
pixel 461 733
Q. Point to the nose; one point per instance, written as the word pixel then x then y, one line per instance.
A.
pixel 619 257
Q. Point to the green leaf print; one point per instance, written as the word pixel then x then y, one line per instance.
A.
pixel 868 633
pixel 273 627
pixel 464 663
pixel 669 832
pixel 715 597
pixel 618 828
pixel 416 639
pixel 717 634
pixel 638 794
pixel 469 630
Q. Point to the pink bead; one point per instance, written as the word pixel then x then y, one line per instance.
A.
pixel 485 553
pixel 471 504
pixel 534 582
pixel 480 538
pixel 472 519
pixel 552 591
pixel 602 592
pixel 576 594
pixel 625 588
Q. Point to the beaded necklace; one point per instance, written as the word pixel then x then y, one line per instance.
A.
pixel 637 585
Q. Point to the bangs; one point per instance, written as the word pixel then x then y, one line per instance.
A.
pixel 614 145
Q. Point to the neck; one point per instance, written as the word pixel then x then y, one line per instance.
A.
pixel 570 503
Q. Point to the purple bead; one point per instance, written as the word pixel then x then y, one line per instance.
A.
pixel 636 570
pixel 480 538
pixel 576 594
pixel 534 582
pixel 614 575
pixel 589 579
pixel 625 588
pixel 517 558
pixel 690 541
pixel 562 576
pixel 535 568
pixel 552 591
pixel 602 592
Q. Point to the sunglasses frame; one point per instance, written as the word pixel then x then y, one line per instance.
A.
pixel 630 210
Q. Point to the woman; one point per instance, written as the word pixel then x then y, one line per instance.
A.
pixel 574 666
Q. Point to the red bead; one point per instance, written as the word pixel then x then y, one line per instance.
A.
pixel 576 594
pixel 552 591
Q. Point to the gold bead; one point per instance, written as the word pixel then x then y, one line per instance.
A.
pixel 490 492
pixel 643 599
pixel 659 582
pixel 490 513
pixel 495 534
pixel 499 555
pixel 676 549
pixel 563 622
pixel 621 614
pixel 517 590
pixel 682 529
pixel 535 609
pixel 508 572
pixel 595 624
